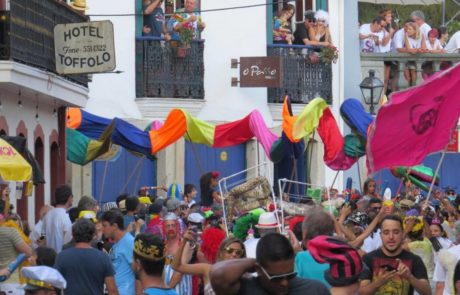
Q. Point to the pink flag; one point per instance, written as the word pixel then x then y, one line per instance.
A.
pixel 416 122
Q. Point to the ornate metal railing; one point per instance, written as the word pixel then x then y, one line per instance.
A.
pixel 27 33
pixel 425 64
pixel 304 77
pixel 161 73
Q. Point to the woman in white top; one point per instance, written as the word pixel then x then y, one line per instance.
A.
pixel 433 44
pixel 320 33
pixel 414 41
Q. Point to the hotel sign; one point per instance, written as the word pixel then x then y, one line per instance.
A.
pixel 261 71
pixel 84 47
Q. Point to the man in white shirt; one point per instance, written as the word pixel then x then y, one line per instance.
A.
pixel 454 43
pixel 419 18
pixel 36 236
pixel 56 223
pixel 445 267
pixel 268 223
pixel 371 35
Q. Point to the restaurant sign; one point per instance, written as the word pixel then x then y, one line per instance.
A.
pixel 84 47
pixel 261 71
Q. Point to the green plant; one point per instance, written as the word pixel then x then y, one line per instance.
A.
pixel 186 34
pixel 329 54
pixel 452 27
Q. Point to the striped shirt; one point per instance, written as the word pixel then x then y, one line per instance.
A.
pixel 9 240
pixel 184 287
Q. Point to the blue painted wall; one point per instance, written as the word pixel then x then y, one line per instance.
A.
pixel 117 178
pixel 200 159
pixel 448 173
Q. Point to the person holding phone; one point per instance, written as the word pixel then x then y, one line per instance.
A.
pixel 391 269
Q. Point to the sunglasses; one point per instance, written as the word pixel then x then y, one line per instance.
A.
pixel 311 20
pixel 451 194
pixel 278 278
pixel 376 208
pixel 404 208
pixel 238 252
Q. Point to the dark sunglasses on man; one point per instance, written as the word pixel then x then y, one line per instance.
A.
pixel 278 278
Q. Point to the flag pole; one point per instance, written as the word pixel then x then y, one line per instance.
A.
pixel 435 175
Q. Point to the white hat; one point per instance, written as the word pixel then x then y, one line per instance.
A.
pixel 43 277
pixel 267 220
pixel 170 216
pixel 195 218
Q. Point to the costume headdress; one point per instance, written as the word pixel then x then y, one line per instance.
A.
pixel 151 253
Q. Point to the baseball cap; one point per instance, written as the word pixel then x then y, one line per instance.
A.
pixel 172 204
pixel 195 218
pixel 309 14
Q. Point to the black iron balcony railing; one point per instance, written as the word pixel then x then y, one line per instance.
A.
pixel 303 77
pixel 27 33
pixel 161 73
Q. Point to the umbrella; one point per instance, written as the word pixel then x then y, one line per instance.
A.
pixel 13 167
pixel 404 2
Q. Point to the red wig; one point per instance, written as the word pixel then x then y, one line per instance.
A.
pixel 294 220
pixel 212 238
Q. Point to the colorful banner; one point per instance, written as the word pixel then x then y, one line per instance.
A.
pixel 415 123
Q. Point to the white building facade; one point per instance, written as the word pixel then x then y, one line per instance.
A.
pixel 229 34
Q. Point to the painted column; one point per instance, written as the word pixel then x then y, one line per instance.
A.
pixel 343 23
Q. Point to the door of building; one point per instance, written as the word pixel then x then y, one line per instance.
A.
pixel 121 173
pixel 200 159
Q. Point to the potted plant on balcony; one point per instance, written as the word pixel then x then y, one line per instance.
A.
pixel 186 35
pixel 329 54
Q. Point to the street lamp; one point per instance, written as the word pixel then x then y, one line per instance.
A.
pixel 371 88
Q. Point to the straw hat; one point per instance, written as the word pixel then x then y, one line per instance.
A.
pixel 79 5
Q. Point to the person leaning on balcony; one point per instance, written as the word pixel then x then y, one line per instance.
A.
pixel 453 45
pixel 443 35
pixel 390 67
pixel 371 35
pixel 301 32
pixel 154 19
pixel 282 32
pixel 414 41
pixel 320 31
pixel 419 18
pixel 183 17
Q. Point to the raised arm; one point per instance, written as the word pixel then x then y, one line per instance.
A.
pixel 369 229
pixel 151 7
pixel 226 275
pixel 201 269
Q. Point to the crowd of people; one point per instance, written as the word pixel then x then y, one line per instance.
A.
pixel 415 36
pixel 342 243
pixel 184 19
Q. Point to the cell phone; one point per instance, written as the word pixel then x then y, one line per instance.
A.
pixel 388 267
pixel 347 198
pixel 100 245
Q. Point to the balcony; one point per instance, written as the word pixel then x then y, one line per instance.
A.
pixel 302 80
pixel 375 61
pixel 161 73
pixel 27 33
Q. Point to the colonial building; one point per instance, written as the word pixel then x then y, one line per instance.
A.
pixel 154 81
pixel 33 97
